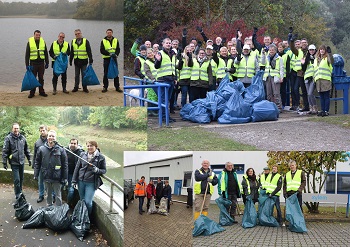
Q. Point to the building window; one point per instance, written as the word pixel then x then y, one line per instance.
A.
pixel 343 183
pixel 155 179
pixel 187 179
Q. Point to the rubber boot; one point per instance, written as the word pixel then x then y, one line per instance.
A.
pixel 205 213
pixel 54 83
pixel 196 215
pixel 64 87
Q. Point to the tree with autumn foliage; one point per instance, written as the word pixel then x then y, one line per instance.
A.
pixel 315 164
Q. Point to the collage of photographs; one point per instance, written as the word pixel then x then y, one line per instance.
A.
pixel 174 123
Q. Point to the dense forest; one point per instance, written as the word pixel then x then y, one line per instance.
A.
pixel 320 21
pixel 81 9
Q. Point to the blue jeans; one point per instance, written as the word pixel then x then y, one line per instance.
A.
pixel 325 101
pixel 70 188
pixel 141 200
pixel 162 95
pixel 185 90
pixel 17 172
pixel 41 184
pixel 86 192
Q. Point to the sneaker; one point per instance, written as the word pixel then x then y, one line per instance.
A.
pixel 40 199
pixel 65 91
pixel 30 96
pixel 118 90
pixel 43 94
pixel 293 108
pixel 320 114
pixel 304 110
pixel 104 90
pixel 75 90
pixel 86 90
pixel 54 92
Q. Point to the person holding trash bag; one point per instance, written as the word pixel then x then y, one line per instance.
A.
pixel 294 182
pixel 51 160
pixel 140 192
pixel 263 178
pixel 14 150
pixel 151 192
pixel 57 47
pixel 159 191
pixel 229 187
pixel 87 173
pixel 167 193
pixel 273 190
pixel 109 49
pixel 37 57
pixel 81 53
pixel 250 186
pixel 203 176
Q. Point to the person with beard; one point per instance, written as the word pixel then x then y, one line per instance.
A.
pixel 250 186
pixel 307 65
pixel 229 187
pixel 224 64
pixel 140 192
pixel 159 191
pixel 286 64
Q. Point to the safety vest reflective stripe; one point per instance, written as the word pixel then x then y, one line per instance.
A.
pixel 140 189
pixel 246 67
pixel 198 184
pixel 263 181
pixel 297 61
pixel 185 72
pixel 167 67
pixel 200 72
pixel 152 68
pixel 220 73
pixel 214 67
pixel 293 184
pixel 272 72
pixel 272 184
pixel 80 51
pixel 108 47
pixel 322 70
pixel 285 58
pixel 56 48
pixel 142 62
pixel 309 71
pixel 248 184
pixel 34 50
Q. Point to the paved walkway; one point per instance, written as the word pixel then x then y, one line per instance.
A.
pixel 158 230
pixel 319 234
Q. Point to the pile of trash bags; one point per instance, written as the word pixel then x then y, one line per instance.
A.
pixel 163 206
pixel 232 103
pixel 23 209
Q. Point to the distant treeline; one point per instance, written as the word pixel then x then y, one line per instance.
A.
pixel 81 9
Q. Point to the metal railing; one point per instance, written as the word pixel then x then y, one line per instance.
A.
pixel 158 87
pixel 111 195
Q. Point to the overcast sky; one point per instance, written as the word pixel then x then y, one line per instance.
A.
pixel 33 1
pixel 135 157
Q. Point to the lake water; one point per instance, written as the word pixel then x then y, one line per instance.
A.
pixel 14 34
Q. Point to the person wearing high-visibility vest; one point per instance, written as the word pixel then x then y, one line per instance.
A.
pixel 229 187
pixel 140 192
pixel 263 178
pixel 250 186
pixel 57 47
pixel 323 77
pixel 286 65
pixel 109 49
pixel 294 182
pixel 151 74
pixel 203 177
pixel 261 47
pixel 273 75
pixel 273 190
pixel 224 64
pixel 82 55
pixel 246 65
pixel 185 74
pixel 140 61
pixel 37 59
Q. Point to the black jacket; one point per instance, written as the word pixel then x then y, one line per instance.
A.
pixel 53 163
pixel 167 192
pixel 203 179
pixel 15 149
pixel 40 142
pixel 72 159
pixel 106 53
pixel 159 189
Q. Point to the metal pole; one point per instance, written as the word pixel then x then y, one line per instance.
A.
pixel 336 188
pixel 111 200
pixel 74 154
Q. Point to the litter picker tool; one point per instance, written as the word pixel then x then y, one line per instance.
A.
pixel 205 195
pixel 68 150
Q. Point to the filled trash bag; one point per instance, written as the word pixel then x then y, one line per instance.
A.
pixel 185 111
pixel 266 205
pixel 36 220
pixel 250 215
pixel 199 113
pixel 61 64
pixel 163 206
pixel 226 88
pixel 265 111
pixel 56 217
pixel 80 220
pixel 255 92
pixel 152 207
pixel 29 81
pixel 90 77
pixel 225 219
pixel 113 71
pixel 294 215
pixel 205 226
pixel 238 86
pixel 23 210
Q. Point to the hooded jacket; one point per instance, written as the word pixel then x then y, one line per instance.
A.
pixel 15 149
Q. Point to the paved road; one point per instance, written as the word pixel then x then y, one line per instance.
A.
pixel 158 230
pixel 319 234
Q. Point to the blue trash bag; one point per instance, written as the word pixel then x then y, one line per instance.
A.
pixel 199 114
pixel 294 215
pixel 90 77
pixel 266 205
pixel 265 111
pixel 250 215
pixel 205 226
pixel 61 64
pixel 238 85
pixel 29 81
pixel 226 88
pixel 113 71
pixel 185 111
pixel 255 92
pixel 224 219
pixel 212 103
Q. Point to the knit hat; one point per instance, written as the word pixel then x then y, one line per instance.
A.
pixel 266 168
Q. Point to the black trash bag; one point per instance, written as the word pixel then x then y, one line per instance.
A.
pixel 294 215
pixel 36 220
pixel 205 226
pixel 225 218
pixel 80 220
pixel 266 205
pixel 23 210
pixel 250 215
pixel 265 111
pixel 56 217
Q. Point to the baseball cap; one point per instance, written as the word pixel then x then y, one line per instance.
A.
pixel 266 168
pixel 312 47
pixel 246 47
pixel 210 47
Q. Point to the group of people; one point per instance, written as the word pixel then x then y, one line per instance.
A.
pixel 151 192
pixel 198 67
pixel 250 187
pixel 79 50
pixel 55 166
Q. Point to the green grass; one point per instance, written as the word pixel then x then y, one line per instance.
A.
pixel 342 120
pixel 190 139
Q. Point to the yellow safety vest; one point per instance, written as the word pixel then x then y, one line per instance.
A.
pixel 285 58
pixel 200 72
pixel 272 184
pixel 167 67
pixel 185 72
pixel 142 62
pixel 309 72
pixel 197 184
pixel 297 60
pixel 293 184
pixel 220 73
pixel 223 182
pixel 246 67
pixel 34 50
pixel 263 181
pixel 152 68
pixel 248 184
pixel 323 70
pixel 80 51
pixel 108 47
pixel 214 67
pixel 272 72
pixel 56 48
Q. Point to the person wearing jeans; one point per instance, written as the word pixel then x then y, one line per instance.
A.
pixel 140 192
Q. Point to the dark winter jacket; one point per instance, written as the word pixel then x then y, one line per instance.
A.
pixel 40 142
pixel 203 179
pixel 167 192
pixel 52 162
pixel 159 189
pixel 254 187
pixel 15 149
pixel 150 190
pixel 72 159
pixel 85 172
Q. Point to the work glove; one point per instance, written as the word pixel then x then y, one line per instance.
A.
pixel 285 195
pixel 91 61
pixel 30 163
pixel 55 57
pixel 294 37
pixel 138 40
pixel 178 55
pixel 189 54
pixel 237 33
pixel 144 81
pixel 227 70
pixel 64 182
pixel 239 57
pixel 95 169
pixel 255 30
pixel 5 166
pixel 46 65
pixel 329 49
pixel 113 55
pixel 199 29
pixel 184 32
pixel 199 43
pixel 209 179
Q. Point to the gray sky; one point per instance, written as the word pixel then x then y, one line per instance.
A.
pixel 33 1
pixel 135 157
